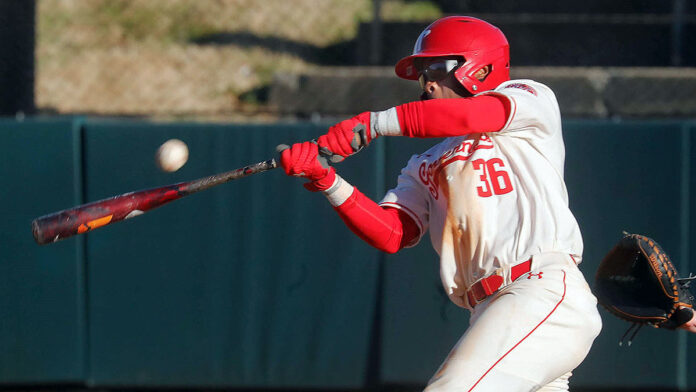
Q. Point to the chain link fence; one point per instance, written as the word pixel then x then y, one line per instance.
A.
pixel 179 57
pixel 233 59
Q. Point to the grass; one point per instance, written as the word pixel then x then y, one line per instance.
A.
pixel 410 11
pixel 80 42
pixel 109 22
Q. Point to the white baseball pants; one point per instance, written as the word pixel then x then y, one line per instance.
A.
pixel 528 336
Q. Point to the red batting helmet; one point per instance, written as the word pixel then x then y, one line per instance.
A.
pixel 479 42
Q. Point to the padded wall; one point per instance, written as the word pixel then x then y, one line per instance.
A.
pixel 257 283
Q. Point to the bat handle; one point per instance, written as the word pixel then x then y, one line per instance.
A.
pixel 325 155
pixel 359 142
pixel 324 158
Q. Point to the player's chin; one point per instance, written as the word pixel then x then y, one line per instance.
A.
pixel 425 96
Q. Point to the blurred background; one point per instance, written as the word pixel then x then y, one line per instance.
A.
pixel 257 285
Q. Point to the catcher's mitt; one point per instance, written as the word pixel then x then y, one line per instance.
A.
pixel 637 282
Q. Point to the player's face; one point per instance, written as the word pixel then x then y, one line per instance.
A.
pixel 448 88
pixel 436 77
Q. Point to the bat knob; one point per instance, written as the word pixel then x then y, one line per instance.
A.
pixel 37 232
pixel 281 147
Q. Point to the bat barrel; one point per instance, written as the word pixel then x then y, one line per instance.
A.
pixel 52 227
pixel 87 217
pixel 63 224
pixel 44 229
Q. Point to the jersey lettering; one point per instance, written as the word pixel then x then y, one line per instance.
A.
pixel 429 172
pixel 493 177
pixel 484 190
pixel 499 176
pixel 523 86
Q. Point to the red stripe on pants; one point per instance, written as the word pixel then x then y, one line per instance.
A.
pixel 525 337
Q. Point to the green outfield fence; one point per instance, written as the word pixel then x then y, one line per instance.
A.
pixel 258 284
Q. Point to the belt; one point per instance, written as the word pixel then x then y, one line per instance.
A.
pixel 489 285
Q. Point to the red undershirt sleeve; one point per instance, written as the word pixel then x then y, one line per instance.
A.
pixel 453 117
pixel 387 229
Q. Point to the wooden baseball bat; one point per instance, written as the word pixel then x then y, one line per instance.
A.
pixel 87 217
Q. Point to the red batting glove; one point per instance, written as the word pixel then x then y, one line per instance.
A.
pixel 339 140
pixel 300 160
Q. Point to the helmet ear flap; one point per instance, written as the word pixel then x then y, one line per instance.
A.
pixel 488 68
pixel 471 81
pixel 466 80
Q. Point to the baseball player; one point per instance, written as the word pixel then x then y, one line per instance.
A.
pixel 492 196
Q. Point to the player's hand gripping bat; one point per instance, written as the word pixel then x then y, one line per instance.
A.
pixel 87 217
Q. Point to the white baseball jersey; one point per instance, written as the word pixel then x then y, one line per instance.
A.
pixel 493 200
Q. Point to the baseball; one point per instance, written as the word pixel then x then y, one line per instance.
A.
pixel 172 155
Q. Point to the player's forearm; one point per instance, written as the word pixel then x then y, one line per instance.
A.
pixel 442 117
pixel 382 228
